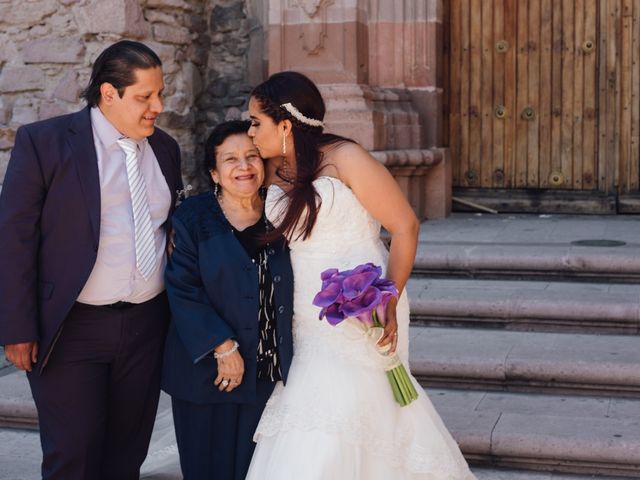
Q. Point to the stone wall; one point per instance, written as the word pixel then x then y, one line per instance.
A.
pixel 48 47
pixel 232 51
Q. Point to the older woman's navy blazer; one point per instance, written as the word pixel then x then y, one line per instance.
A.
pixel 212 286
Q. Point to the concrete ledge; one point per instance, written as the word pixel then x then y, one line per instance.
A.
pixel 17 409
pixel 527 260
pixel 526 361
pixel 424 175
pixel 590 441
pixel 587 307
pixel 544 432
pixel 488 473
pixel 480 245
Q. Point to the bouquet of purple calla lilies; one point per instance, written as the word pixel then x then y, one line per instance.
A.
pixel 362 294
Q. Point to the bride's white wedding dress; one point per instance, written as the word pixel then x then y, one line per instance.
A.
pixel 337 418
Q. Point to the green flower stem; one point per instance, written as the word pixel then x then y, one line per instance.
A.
pixel 409 383
pixel 376 322
pixel 401 385
pixel 403 390
pixel 404 378
pixel 394 387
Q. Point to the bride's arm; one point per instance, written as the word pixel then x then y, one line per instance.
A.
pixel 379 193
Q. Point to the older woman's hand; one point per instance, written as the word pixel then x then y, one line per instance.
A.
pixel 230 368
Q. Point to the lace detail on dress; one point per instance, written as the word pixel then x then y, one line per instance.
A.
pixel 403 451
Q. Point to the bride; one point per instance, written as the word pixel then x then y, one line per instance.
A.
pixel 337 417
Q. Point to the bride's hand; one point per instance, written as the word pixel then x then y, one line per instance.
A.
pixel 230 368
pixel 390 336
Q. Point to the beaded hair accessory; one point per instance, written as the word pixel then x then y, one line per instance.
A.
pixel 298 115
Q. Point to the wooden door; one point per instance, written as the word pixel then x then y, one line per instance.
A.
pixel 523 104
pixel 619 100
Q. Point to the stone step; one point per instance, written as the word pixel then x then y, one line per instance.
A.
pixel 530 246
pixel 526 261
pixel 526 361
pixel 17 409
pixel 581 435
pixel 20 454
pixel 488 473
pixel 501 434
pixel 526 305
pixel 21 449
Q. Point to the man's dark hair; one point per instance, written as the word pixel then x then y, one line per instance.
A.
pixel 217 137
pixel 116 66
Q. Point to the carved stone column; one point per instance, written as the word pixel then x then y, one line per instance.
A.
pixel 377 65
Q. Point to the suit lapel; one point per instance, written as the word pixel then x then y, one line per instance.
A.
pixel 166 165
pixel 83 152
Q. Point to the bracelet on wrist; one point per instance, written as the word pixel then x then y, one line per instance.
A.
pixel 218 356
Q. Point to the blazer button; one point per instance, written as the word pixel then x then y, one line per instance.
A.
pixel 281 339
pixel 281 309
pixel 271 251
pixel 276 279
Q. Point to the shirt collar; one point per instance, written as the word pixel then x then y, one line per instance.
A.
pixel 108 134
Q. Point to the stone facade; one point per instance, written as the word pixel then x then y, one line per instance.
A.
pixel 48 47
pixel 378 66
pixel 376 62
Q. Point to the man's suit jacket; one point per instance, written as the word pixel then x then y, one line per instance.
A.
pixel 50 224
pixel 212 286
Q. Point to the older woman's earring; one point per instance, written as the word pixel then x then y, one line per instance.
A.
pixel 216 189
pixel 284 144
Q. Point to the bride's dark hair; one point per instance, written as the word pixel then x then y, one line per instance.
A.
pixel 302 93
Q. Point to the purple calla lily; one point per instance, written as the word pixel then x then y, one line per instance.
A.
pixel 327 274
pixel 365 302
pixel 328 295
pixel 359 292
pixel 381 308
pixel 386 285
pixel 333 314
pixel 367 267
pixel 354 285
pixel 332 276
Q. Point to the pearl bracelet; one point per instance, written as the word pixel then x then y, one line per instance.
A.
pixel 218 356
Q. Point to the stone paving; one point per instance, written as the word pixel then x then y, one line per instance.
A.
pixel 20 449
pixel 528 230
pixel 593 363
pixel 503 244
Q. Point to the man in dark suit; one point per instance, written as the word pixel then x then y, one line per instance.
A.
pixel 83 230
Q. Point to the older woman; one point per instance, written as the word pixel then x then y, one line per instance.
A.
pixel 231 296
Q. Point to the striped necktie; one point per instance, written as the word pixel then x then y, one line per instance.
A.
pixel 145 245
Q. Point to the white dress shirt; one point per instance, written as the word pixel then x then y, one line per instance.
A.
pixel 114 276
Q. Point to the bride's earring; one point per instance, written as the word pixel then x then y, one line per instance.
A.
pixel 284 144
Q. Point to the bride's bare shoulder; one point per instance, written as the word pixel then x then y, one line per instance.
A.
pixel 339 158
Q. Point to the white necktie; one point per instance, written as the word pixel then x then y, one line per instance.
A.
pixel 145 248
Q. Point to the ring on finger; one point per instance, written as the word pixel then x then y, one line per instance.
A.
pixel 224 382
